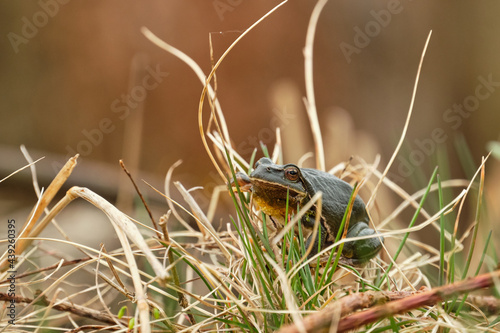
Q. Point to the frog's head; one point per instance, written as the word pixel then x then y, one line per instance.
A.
pixel 271 183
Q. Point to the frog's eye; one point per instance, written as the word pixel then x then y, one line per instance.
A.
pixel 292 173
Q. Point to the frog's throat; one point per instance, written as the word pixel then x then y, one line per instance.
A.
pixel 270 197
pixel 274 211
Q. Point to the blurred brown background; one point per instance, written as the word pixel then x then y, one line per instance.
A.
pixel 66 68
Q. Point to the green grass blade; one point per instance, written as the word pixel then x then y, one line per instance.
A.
pixel 328 276
pixel 412 222
pixel 442 244
pixel 476 227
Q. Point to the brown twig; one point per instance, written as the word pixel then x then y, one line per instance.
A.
pixel 93 327
pixel 142 198
pixel 321 321
pixel 66 307
pixel 48 268
pixel 133 130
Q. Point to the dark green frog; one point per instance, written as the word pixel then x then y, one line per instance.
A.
pixel 270 184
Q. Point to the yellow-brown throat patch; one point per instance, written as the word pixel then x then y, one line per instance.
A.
pixel 271 197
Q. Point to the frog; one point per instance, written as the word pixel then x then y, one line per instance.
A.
pixel 277 190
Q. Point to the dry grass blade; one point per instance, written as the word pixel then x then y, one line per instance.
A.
pixel 411 200
pixel 209 79
pixel 222 146
pixel 49 194
pixel 112 268
pixel 141 197
pixel 64 306
pixel 170 202
pixel 407 123
pixel 21 169
pixel 202 220
pixel 196 69
pixel 123 228
pixel 447 209
pixel 61 263
pixel 121 222
pixel 28 158
pixel 43 202
pixel 311 100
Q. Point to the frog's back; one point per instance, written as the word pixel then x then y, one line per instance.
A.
pixel 336 194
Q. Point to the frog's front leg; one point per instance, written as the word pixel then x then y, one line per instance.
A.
pixel 319 242
pixel 361 251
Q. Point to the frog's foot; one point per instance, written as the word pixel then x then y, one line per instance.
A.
pixel 322 262
pixel 342 261
pixel 353 262
pixel 360 251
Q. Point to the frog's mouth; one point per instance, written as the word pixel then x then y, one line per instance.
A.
pixel 264 188
pixel 243 181
pixel 276 190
